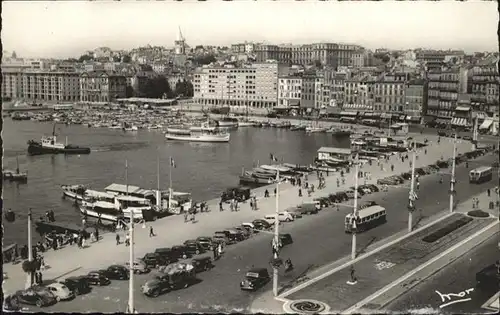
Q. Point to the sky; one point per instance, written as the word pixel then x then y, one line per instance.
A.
pixel 62 29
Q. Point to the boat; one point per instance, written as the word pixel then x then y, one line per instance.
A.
pixel 246 123
pixel 340 132
pixel 228 122
pixel 49 145
pixel 248 179
pixel 315 129
pixel 205 133
pixel 74 191
pixel 298 128
pixel 15 176
pixel 178 130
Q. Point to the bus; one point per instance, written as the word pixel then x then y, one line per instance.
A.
pixel 366 219
pixel 481 174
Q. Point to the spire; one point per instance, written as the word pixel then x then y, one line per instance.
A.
pixel 179 35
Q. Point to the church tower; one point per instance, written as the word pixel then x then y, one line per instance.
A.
pixel 180 44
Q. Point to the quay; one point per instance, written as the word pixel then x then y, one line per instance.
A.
pixel 173 230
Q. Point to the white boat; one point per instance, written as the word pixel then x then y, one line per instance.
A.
pixel 115 127
pixel 177 130
pixel 205 133
pixel 99 212
pixel 74 191
pixel 132 128
pixel 315 129
pixel 246 123
pixel 228 122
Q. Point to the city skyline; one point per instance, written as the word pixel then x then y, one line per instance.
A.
pixel 54 31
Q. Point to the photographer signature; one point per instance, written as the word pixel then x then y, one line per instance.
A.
pixel 454 298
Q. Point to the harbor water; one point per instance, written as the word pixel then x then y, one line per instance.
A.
pixel 203 169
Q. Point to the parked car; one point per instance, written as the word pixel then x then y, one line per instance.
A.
pixel 222 236
pixel 10 304
pixel 167 255
pixel 235 236
pixel 116 272
pixel 78 285
pixel 261 224
pixel 194 247
pixel 138 267
pixel 373 188
pixel 295 213
pixel 38 296
pixel 285 239
pixel 350 193
pixel 201 264
pixel 249 226
pixel 285 216
pixel 246 232
pixel 60 291
pixel 152 260
pixel 205 242
pixel 181 251
pixel 308 208
pixel 270 218
pixel 96 278
pixel 168 281
pixel 255 278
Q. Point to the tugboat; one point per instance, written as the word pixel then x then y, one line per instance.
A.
pixel 49 145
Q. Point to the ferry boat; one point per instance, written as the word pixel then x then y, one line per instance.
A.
pixel 49 145
pixel 228 122
pixel 205 133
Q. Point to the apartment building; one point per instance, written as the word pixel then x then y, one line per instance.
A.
pixel 102 86
pixel 254 85
pixel 281 54
pixel 289 91
pixel 356 92
pixel 358 59
pixel 40 86
pixel 485 87
pixel 444 86
pixel 415 99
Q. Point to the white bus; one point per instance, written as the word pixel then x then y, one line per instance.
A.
pixel 366 218
pixel 481 174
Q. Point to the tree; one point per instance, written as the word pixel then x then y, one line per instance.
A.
pixel 386 58
pixel 85 58
pixel 184 89
pixel 157 87
pixel 205 59
pixel 126 59
pixel 116 59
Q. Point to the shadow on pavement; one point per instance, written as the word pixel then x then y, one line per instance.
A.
pixel 363 249
pixel 302 277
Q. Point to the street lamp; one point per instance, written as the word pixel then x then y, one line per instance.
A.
pixel 276 234
pixel 452 180
pixel 355 208
pixel 130 308
pixel 412 196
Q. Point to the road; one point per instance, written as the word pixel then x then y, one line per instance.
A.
pixel 318 240
pixel 458 276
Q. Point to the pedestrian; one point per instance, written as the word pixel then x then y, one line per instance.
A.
pixel 392 167
pixel 215 252
pixel 266 193
pixel 151 232
pixel 275 192
pixel 425 151
pixel 83 242
pixel 186 216
pixel 251 203
pixel 300 192
pixel 489 192
pixel 219 250
pixel 353 276
pixel 220 206
pixel 338 182
pixel 96 234
pixel 92 237
pixel 255 203
pixel 327 172
pixel 418 185
pixel 127 240
pixel 117 237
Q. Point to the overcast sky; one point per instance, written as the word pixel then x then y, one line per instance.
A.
pixel 68 28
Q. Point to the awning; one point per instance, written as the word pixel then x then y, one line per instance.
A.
pixel 486 124
pixel 385 116
pixel 348 113
pixel 442 121
pixel 463 108
pixel 457 121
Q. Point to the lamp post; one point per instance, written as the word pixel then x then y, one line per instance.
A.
pixel 276 236
pixel 474 135
pixel 452 180
pixel 411 197
pixel 29 280
pixel 355 208
pixel 130 307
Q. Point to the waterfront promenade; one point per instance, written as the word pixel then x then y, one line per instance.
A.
pixel 172 230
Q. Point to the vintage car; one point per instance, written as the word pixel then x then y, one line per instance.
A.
pixel 201 264
pixel 205 242
pixel 60 291
pixel 223 236
pixel 172 280
pixel 181 252
pixel 116 272
pixel 260 224
pixel 10 304
pixel 139 267
pixel 152 260
pixel 167 255
pixel 308 208
pixel 96 278
pixel 285 239
pixel 78 285
pixel 255 279
pixel 194 247
pixel 245 231
pixel 235 235
pixel 38 296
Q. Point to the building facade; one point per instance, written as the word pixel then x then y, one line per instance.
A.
pixel 102 86
pixel 39 85
pixel 289 91
pixel 281 54
pixel 444 86
pixel 252 85
pixel 485 88
pixel 415 98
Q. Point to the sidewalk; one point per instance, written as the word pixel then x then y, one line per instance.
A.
pixel 407 252
pixel 172 230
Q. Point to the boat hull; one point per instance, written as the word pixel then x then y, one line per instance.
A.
pixel 35 148
pixel 203 138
